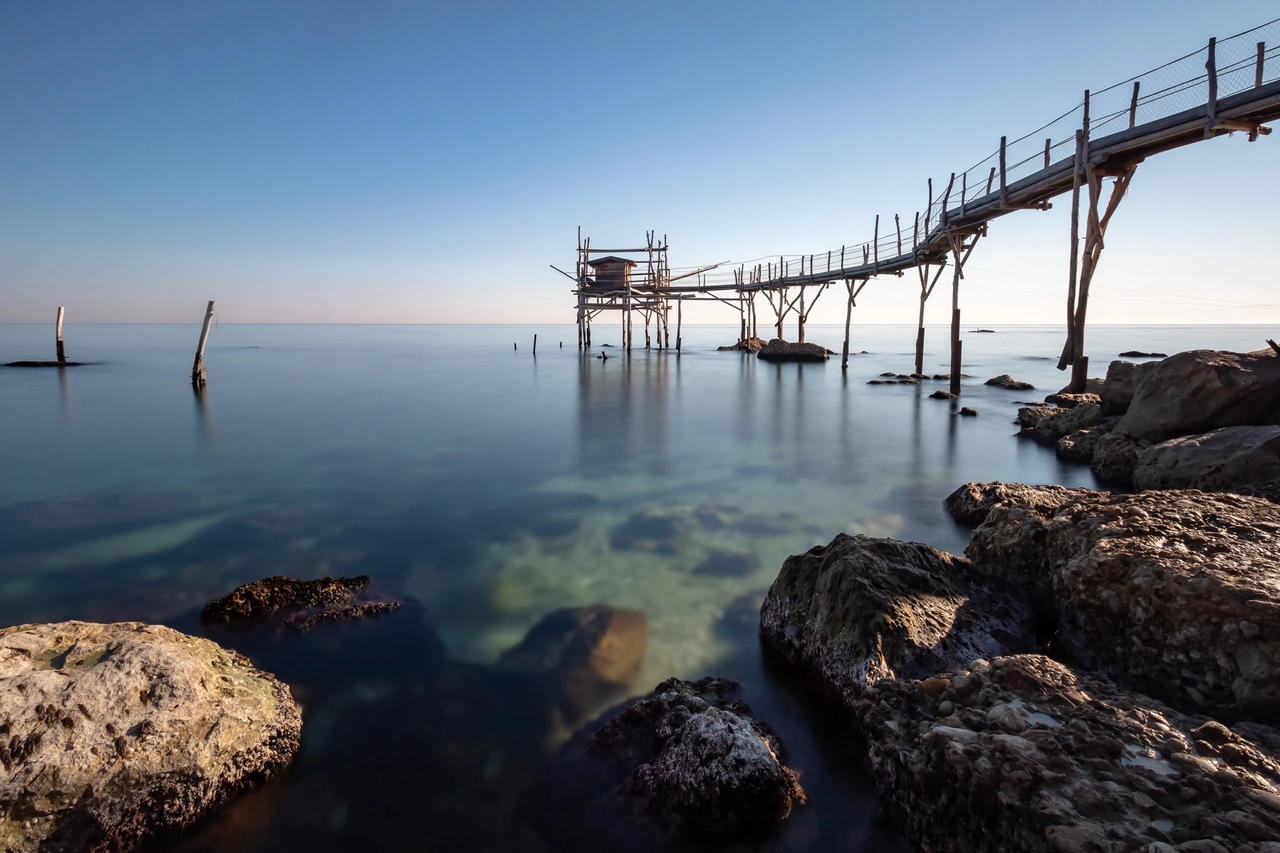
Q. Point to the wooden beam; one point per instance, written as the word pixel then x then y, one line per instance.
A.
pixel 1211 67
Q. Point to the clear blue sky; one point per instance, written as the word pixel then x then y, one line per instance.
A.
pixel 406 162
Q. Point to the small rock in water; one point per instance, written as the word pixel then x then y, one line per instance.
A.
pixel 1004 380
pixel 1133 353
pixel 942 395
pixel 295 603
pixel 780 350
pixel 968 412
pixel 685 764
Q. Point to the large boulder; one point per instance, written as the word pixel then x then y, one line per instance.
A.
pixel 1220 461
pixel 1117 390
pixel 1024 754
pixel 685 764
pixel 1176 593
pixel 111 733
pixel 860 610
pixel 779 350
pixel 1115 456
pixel 970 504
pixel 1203 390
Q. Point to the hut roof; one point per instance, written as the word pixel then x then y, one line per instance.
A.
pixel 609 259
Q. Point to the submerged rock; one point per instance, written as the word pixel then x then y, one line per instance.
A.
pixel 585 651
pixel 111 733
pixel 971 503
pixel 296 604
pixel 1203 390
pixel 860 610
pixel 1176 593
pixel 780 350
pixel 686 763
pixel 1022 753
pixel 1220 461
pixel 1004 380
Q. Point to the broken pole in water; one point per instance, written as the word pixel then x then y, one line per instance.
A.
pixel 62 353
pixel 197 369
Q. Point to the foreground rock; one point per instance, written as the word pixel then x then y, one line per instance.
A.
pixel 586 653
pixel 687 763
pixel 971 503
pixel 1024 754
pixel 110 733
pixel 296 604
pixel 1082 445
pixel 1203 390
pixel 780 350
pixel 860 610
pixel 1175 593
pixel 1048 425
pixel 1220 461
pixel 1004 380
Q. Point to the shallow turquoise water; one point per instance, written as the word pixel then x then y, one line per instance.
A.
pixel 491 486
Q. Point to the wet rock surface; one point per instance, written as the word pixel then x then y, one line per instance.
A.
pixel 685 764
pixel 1048 425
pixel 297 604
pixel 1081 445
pixel 1004 380
pixel 861 610
pixel 1218 461
pixel 747 345
pixel 112 732
pixel 1203 390
pixel 1176 593
pixel 1022 753
pixel 780 350
pixel 971 503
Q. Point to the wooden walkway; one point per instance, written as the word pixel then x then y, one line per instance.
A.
pixel 1229 86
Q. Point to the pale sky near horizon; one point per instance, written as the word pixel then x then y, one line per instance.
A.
pixel 406 162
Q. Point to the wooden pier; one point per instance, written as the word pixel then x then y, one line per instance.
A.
pixel 1229 86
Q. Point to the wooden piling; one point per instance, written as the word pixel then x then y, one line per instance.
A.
pixel 1257 69
pixel 1211 68
pixel 1003 183
pixel 197 369
pixel 955 341
pixel 679 318
pixel 535 344
pixel 62 353
pixel 848 319
pixel 1133 104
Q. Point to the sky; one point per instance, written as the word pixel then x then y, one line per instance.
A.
pixel 396 162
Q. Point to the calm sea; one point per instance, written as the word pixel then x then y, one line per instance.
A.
pixel 488 486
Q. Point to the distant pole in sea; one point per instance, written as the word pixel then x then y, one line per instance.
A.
pixel 197 369
pixel 62 353
pixel 535 344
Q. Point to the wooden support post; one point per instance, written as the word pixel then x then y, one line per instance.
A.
pixel 1211 67
pixel 1004 200
pixel 876 244
pixel 62 353
pixel 1133 104
pixel 848 318
pixel 535 345
pixel 1257 70
pixel 955 347
pixel 897 223
pixel 197 369
pixel 1069 351
pixel 800 318
pixel 1048 143
pixel 679 319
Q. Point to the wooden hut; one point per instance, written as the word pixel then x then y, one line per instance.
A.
pixel 610 273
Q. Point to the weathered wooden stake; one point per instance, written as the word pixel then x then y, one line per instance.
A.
pixel 679 318
pixel 848 318
pixel 1211 67
pixel 1003 197
pixel 1133 104
pixel 1048 143
pixel 197 369
pixel 535 344
pixel 62 353
pixel 1257 70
